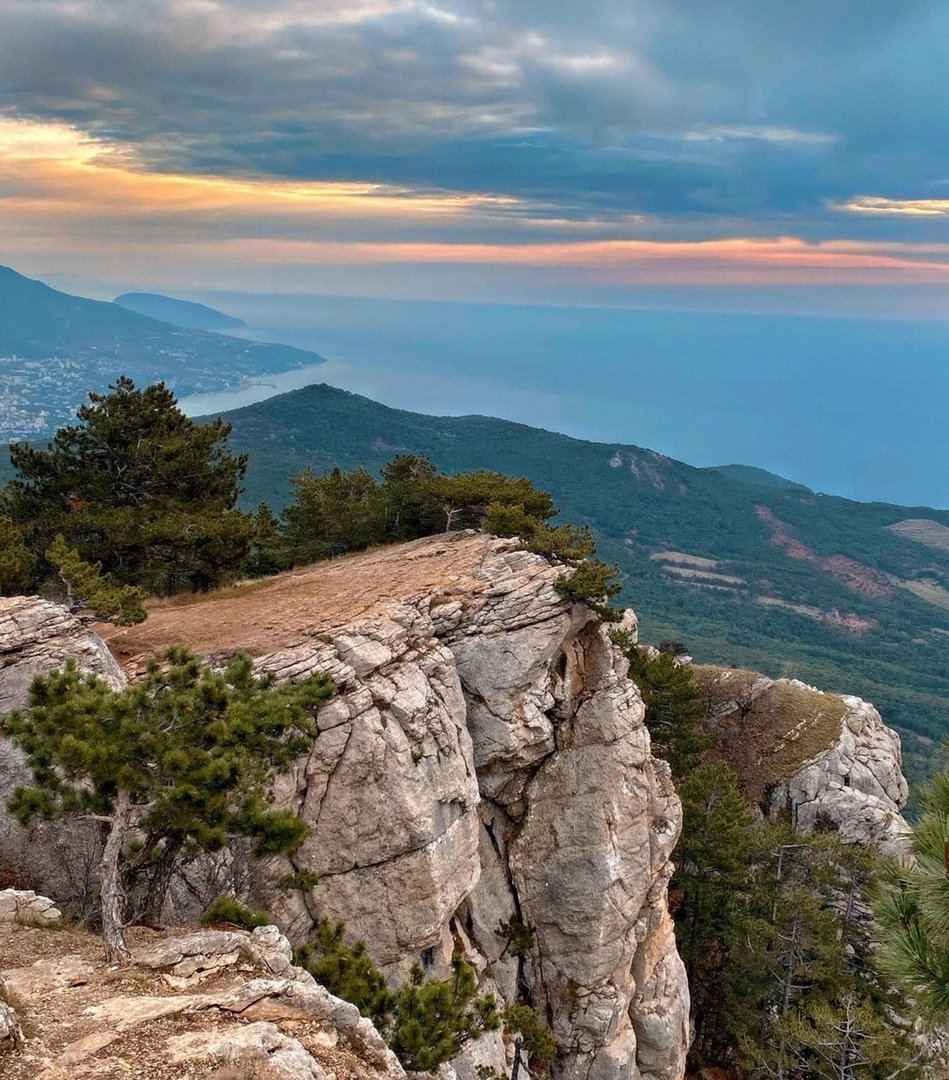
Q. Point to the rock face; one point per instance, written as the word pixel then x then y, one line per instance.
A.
pixel 484 759
pixel 812 754
pixel 487 758
pixel 857 783
pixel 37 637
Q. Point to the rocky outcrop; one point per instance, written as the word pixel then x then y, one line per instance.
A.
pixel 87 1019
pixel 857 783
pixel 37 637
pixel 27 907
pixel 816 756
pixel 484 759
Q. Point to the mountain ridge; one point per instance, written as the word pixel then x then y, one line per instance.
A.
pixel 784 580
pixel 186 314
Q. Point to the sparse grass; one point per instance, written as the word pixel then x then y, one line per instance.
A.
pixel 59 924
pixel 9 998
pixel 767 738
pixel 923 531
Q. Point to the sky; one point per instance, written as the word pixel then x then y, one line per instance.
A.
pixel 787 155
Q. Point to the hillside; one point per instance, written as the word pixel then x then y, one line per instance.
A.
pixel 55 348
pixel 775 578
pixel 184 313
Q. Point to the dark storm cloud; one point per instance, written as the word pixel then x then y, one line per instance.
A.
pixel 706 117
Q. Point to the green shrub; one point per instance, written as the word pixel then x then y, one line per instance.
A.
pixel 592 583
pixel 434 1018
pixel 228 909
pixel 347 971
pixel 428 1021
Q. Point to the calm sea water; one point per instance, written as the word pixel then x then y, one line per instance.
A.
pixel 858 408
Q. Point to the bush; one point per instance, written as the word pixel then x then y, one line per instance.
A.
pixel 434 1018
pixel 227 909
pixel 347 971
pixel 428 1021
pixel 592 583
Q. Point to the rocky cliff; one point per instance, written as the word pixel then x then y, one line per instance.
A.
pixel 814 755
pixel 485 758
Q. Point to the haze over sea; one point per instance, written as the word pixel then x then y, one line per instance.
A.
pixel 853 407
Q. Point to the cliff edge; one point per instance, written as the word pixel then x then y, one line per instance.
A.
pixel 810 754
pixel 485 758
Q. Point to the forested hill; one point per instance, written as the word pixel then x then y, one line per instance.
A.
pixel 850 596
pixel 743 567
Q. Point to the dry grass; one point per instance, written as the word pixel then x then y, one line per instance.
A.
pixel 923 531
pixel 293 608
pixel 767 733
pixel 929 591
pixel 705 575
pixel 682 558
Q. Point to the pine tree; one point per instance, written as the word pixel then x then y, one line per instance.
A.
pixel 427 1021
pixel 552 541
pixel 266 555
pixel 411 505
pixel 330 515
pixel 467 497
pixel 593 583
pixel 433 1019
pixel 16 562
pixel 87 587
pixel 137 489
pixel 913 909
pixel 186 756
pixel 347 971
pixel 675 708
pixel 712 878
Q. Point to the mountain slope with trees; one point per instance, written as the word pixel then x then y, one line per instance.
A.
pixel 845 595
pixel 780 579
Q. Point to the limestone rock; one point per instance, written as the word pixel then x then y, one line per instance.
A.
pixel 252 1044
pixel 37 637
pixel 204 951
pixel 11 1034
pixel 26 906
pixel 857 783
pixel 39 978
pixel 77 1052
pixel 812 754
pixel 389 792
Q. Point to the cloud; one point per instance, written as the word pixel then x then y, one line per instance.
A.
pixel 875 204
pixel 63 188
pixel 477 121
pixel 762 133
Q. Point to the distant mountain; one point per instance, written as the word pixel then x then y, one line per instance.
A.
pixel 748 474
pixel 183 313
pixel 55 348
pixel 766 575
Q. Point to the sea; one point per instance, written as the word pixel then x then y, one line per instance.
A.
pixel 856 407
